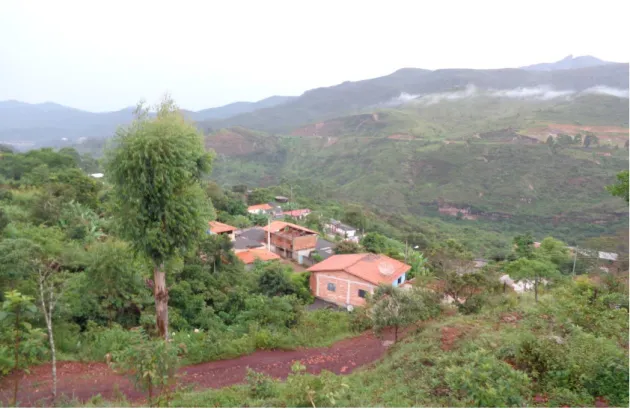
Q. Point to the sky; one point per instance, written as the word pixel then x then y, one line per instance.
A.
pixel 103 55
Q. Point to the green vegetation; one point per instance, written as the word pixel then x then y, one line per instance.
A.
pixel 512 353
pixel 156 168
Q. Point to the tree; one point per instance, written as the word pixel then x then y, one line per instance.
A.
pixel 590 139
pixel 113 282
pixel 465 289
pixel 156 168
pixel 524 246
pixel 577 139
pixel 346 247
pixel 274 280
pixel 620 189
pixel 26 341
pixel 374 242
pixel 260 196
pixel 394 307
pixel 450 256
pixel 554 251
pixel 354 216
pixel 527 269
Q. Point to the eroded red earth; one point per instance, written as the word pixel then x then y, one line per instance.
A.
pixel 84 380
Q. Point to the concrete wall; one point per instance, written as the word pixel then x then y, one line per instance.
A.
pixel 346 288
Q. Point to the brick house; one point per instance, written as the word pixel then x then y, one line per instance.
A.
pixel 291 241
pixel 347 279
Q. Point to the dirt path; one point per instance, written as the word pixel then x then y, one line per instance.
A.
pixel 84 380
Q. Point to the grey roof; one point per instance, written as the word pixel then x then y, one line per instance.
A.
pixel 254 234
pixel 323 244
pixel 243 242
pixel 324 248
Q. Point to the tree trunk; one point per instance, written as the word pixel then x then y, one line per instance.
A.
pixel 536 288
pixel 17 357
pixel 395 333
pixel 161 301
pixel 48 311
pixel 53 353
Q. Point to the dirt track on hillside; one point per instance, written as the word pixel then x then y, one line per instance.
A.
pixel 84 380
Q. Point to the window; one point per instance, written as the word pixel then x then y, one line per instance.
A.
pixel 362 293
pixel 400 280
pixel 332 287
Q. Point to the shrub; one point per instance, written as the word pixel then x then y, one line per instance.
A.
pixel 359 320
pixel 307 390
pixel 484 381
pixel 152 365
pixel 472 304
pixel 98 341
pixel 260 386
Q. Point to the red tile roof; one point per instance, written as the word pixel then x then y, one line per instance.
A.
pixel 262 207
pixel 249 256
pixel 297 212
pixel 276 226
pixel 219 227
pixel 371 268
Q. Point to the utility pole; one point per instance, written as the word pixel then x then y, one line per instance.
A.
pixel 575 251
pixel 406 249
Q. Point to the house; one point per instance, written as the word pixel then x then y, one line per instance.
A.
pixel 347 279
pixel 248 257
pixel 298 213
pixel 341 229
pixel 219 228
pixel 259 209
pixel 291 241
pixel 282 199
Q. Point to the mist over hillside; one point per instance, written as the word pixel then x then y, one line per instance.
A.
pixel 36 124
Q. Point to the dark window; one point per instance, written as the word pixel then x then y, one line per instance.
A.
pixel 400 280
pixel 332 287
pixel 362 293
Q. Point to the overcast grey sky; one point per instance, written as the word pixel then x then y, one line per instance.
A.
pixel 104 55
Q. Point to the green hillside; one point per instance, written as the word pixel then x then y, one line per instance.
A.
pixel 354 97
pixel 465 162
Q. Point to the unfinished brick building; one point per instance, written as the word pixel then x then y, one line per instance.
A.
pixel 291 241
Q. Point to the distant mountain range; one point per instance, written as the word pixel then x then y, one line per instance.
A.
pixel 42 124
pixel 567 63
pixel 45 122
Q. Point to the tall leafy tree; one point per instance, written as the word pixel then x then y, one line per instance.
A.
pixel 156 168
pixel 620 189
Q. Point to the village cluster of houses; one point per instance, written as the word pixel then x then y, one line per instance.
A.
pixel 344 280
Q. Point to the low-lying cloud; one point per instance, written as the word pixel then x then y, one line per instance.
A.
pixel 541 93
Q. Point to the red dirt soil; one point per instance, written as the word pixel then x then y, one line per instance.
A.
pixel 84 380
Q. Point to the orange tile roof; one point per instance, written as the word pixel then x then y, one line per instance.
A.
pixel 371 268
pixel 262 207
pixel 276 226
pixel 249 256
pixel 219 227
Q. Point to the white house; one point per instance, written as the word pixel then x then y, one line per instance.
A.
pixel 341 229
